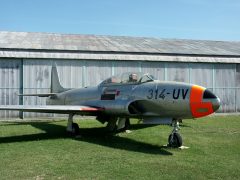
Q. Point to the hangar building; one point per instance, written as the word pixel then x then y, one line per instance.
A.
pixel 86 60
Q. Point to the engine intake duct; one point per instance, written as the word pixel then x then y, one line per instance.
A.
pixel 137 107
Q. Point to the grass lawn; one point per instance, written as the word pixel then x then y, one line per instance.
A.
pixel 44 151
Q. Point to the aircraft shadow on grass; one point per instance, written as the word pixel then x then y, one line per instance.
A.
pixel 91 135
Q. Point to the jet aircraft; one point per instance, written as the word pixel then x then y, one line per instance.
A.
pixel 124 96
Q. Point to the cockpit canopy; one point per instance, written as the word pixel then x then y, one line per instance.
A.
pixel 128 78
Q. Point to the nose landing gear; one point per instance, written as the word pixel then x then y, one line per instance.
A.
pixel 175 139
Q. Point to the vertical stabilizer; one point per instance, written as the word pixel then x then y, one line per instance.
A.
pixel 55 84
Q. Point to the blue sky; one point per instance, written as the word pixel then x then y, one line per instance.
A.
pixel 182 19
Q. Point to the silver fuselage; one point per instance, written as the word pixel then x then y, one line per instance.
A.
pixel 156 98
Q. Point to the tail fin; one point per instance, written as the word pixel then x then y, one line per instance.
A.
pixel 55 84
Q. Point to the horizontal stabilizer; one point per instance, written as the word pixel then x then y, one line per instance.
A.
pixel 59 109
pixel 39 95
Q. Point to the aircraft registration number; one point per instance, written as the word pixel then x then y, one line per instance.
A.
pixel 161 94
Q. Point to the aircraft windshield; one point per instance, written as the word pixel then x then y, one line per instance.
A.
pixel 129 78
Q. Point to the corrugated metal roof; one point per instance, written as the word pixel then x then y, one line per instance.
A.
pixel 116 44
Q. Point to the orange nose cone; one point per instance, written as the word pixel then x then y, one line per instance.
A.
pixel 197 106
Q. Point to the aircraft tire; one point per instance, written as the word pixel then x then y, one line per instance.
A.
pixel 75 129
pixel 176 140
pixel 127 124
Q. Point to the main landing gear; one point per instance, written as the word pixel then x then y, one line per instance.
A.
pixel 118 124
pixel 72 127
pixel 175 139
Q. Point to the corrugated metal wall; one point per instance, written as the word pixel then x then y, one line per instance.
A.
pixel 238 88
pixel 223 79
pixel 9 85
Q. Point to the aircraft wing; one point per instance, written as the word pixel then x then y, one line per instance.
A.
pixel 59 109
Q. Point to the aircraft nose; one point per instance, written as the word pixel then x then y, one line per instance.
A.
pixel 216 103
pixel 208 95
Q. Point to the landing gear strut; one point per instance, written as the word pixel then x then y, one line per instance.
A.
pixel 118 124
pixel 72 127
pixel 175 139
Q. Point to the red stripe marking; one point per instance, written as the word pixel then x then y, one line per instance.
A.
pixel 91 109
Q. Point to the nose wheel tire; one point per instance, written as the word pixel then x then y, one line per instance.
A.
pixel 175 140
